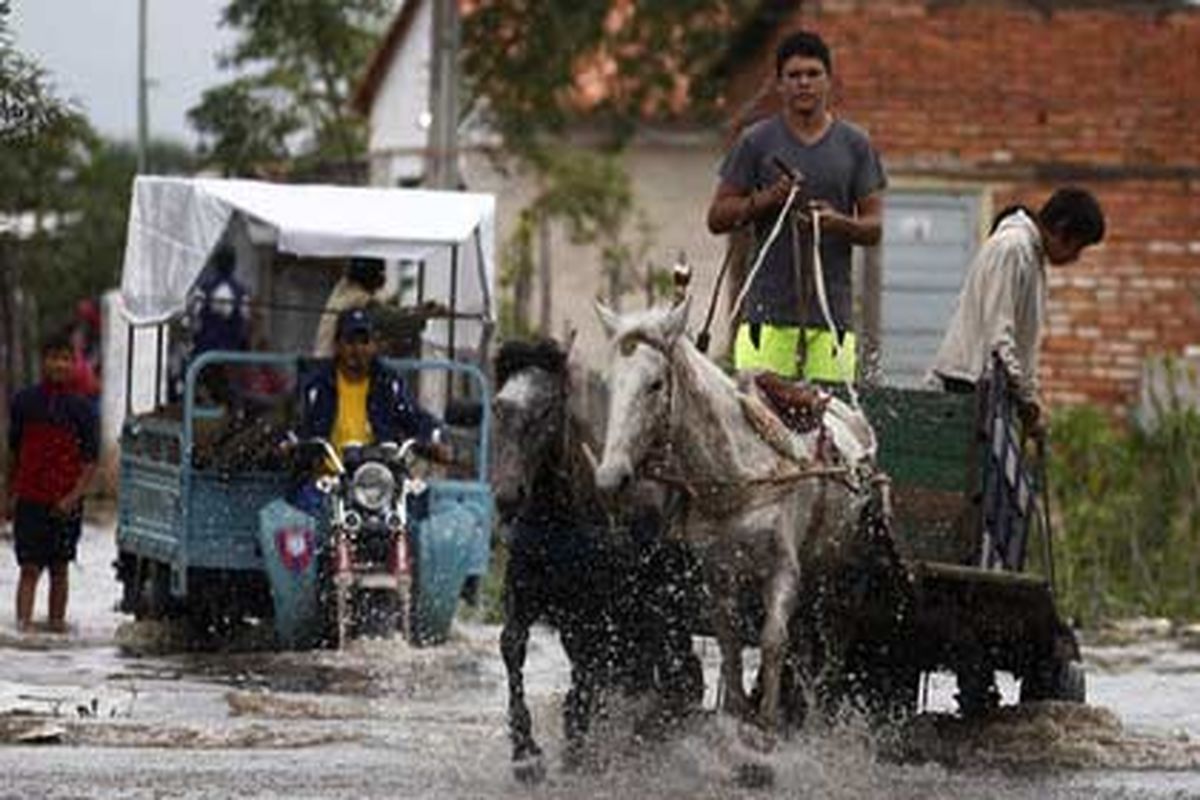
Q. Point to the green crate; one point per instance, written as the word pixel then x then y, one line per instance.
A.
pixel 927 445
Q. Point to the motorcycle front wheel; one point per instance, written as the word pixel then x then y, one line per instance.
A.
pixel 376 613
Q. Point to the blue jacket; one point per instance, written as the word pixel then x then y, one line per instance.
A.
pixel 393 414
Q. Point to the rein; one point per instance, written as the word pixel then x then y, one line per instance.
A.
pixel 818 280
pixel 696 488
pixel 704 338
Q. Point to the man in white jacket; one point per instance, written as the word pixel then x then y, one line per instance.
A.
pixel 1003 300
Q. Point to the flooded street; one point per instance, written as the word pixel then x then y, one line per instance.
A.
pixel 111 711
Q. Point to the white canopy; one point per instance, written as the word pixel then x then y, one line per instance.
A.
pixel 175 223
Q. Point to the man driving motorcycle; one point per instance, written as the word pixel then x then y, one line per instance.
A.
pixel 357 398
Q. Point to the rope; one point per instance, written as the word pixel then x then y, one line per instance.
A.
pixel 703 339
pixel 694 488
pixel 823 301
pixel 762 253
pixel 818 275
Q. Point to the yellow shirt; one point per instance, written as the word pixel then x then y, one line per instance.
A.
pixel 351 424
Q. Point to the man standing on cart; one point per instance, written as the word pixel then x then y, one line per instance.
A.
pixel 841 178
pixel 1002 303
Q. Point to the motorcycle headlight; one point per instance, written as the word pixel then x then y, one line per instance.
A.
pixel 373 486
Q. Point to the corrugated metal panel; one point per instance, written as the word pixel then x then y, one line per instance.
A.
pixel 928 239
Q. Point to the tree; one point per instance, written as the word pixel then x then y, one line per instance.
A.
pixel 288 108
pixel 83 256
pixel 608 66
pixel 69 190
pixel 28 105
pixel 612 63
pixel 39 135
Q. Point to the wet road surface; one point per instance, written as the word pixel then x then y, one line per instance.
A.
pixel 113 710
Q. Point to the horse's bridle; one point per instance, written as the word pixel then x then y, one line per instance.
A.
pixel 627 344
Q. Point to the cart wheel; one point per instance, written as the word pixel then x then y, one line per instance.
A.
pixel 152 596
pixel 415 625
pixel 977 692
pixel 893 693
pixel 1057 680
pixel 1073 684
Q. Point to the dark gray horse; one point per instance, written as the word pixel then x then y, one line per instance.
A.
pixel 612 588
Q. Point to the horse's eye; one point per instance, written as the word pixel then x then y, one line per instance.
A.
pixel 656 386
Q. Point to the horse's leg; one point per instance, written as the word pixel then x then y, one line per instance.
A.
pixel 779 602
pixel 587 654
pixel 682 677
pixel 729 639
pixel 527 756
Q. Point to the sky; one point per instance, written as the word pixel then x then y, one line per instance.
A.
pixel 89 48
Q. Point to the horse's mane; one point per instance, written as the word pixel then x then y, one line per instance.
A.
pixel 518 354
pixel 575 472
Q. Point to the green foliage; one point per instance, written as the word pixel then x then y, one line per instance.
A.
pixel 76 187
pixel 288 109
pixel 29 107
pixel 1128 504
pixel 522 62
pixel 524 58
pixel 491 595
pixel 246 130
pixel 82 258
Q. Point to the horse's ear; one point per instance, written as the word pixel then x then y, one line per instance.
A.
pixel 676 321
pixel 608 318
pixel 569 345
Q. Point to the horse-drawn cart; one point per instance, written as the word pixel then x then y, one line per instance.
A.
pixel 965 508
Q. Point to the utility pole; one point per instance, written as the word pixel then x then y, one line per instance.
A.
pixel 443 97
pixel 143 114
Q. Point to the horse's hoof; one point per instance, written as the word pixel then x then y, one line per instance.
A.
pixel 757 738
pixel 530 770
pixel 754 775
pixel 661 719
pixel 737 710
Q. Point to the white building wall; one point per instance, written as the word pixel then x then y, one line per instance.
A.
pixel 398 133
pixel 673 184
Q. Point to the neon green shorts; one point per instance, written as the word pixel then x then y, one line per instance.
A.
pixel 776 352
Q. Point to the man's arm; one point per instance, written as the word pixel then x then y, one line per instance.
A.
pixel 412 420
pixel 408 418
pixel 86 426
pixel 8 509
pixel 313 402
pixel 69 503
pixel 1001 294
pixel 732 207
pixel 865 227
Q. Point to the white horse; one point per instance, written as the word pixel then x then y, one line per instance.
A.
pixel 763 500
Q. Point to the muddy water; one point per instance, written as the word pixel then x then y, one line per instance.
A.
pixel 114 709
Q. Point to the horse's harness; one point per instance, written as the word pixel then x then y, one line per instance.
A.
pixel 708 489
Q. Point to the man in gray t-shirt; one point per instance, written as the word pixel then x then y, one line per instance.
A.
pixel 841 177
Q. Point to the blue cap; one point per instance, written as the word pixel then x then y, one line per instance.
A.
pixel 354 322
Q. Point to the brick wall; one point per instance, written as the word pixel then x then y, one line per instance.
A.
pixel 1016 100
